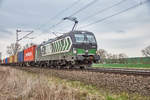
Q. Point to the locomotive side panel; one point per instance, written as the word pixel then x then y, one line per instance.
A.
pixel 56 50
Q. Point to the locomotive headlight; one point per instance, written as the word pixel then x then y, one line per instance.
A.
pixel 74 51
pixel 86 50
pixel 96 52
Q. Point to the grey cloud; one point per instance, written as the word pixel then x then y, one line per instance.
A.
pixel 4 33
pixel 1 1
pixel 124 43
pixel 37 14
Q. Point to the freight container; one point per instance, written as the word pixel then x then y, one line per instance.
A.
pixel 15 58
pixel 20 57
pixel 11 59
pixel 29 54
pixel 6 61
pixel 3 61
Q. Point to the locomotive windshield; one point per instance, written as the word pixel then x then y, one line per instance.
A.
pixel 90 38
pixel 79 37
pixel 86 38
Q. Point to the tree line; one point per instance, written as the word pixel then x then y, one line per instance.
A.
pixel 119 58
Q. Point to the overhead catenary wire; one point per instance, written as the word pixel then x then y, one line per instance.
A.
pixel 84 7
pixel 58 23
pixel 81 9
pixel 64 10
pixel 58 14
pixel 61 12
pixel 78 11
pixel 115 14
pixel 104 9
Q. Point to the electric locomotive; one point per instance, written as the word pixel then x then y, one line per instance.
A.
pixel 73 49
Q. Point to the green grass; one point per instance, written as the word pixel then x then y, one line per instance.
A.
pixel 122 65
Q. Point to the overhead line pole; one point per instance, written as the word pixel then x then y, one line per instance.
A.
pixel 19 39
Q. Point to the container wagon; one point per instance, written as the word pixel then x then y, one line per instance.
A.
pixel 29 56
pixel 20 58
pixel 15 59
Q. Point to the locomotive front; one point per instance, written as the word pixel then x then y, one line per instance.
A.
pixel 84 47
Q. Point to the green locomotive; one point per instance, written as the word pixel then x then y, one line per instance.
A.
pixel 73 49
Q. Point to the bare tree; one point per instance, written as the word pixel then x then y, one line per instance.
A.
pixel 28 45
pixel 116 58
pixel 122 58
pixel 13 49
pixel 103 54
pixel 111 58
pixel 146 51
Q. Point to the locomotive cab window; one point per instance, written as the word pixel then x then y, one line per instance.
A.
pixel 79 37
pixel 86 38
pixel 90 38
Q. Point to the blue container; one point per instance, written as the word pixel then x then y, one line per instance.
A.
pixel 20 56
pixel 6 60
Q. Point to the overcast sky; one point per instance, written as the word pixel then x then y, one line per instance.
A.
pixel 127 33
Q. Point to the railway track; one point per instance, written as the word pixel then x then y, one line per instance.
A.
pixel 143 72
pixel 126 71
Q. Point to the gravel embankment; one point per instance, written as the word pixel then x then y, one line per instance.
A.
pixel 114 82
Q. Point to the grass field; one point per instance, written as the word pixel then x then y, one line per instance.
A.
pixel 122 65
pixel 21 85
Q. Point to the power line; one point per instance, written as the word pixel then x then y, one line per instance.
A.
pixel 100 11
pixel 105 18
pixel 86 6
pixel 81 9
pixel 105 9
pixel 71 6
pixel 56 24
pixel 61 12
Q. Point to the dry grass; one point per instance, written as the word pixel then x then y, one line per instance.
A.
pixel 20 85
pixel 110 86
